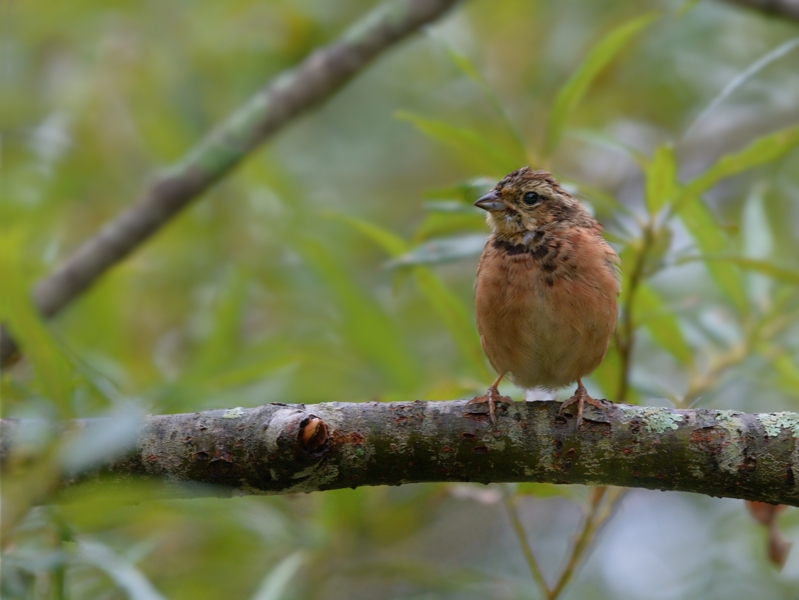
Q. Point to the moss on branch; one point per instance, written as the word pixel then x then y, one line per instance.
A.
pixel 280 449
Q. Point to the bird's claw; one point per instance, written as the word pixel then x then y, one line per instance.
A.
pixel 491 397
pixel 581 398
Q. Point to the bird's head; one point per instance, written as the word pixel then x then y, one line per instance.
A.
pixel 526 200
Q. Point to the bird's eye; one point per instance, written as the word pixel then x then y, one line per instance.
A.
pixel 531 198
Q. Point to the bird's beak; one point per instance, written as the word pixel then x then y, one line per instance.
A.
pixel 490 202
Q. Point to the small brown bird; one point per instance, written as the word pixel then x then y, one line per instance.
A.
pixel 546 288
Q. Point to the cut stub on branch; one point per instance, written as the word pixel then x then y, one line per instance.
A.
pixel 252 450
pixel 313 434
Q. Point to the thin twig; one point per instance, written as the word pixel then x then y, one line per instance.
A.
pixel 510 507
pixel 625 340
pixel 597 516
pixel 699 384
pixel 755 333
pixel 582 541
pixel 290 95
pixel 740 79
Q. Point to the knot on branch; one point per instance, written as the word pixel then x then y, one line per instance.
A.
pixel 295 434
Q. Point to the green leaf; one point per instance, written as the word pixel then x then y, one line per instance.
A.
pixel 598 198
pixel 275 584
pixel 742 78
pixel 466 141
pixel 393 244
pixel 94 447
pixel 764 267
pixel 422 574
pixel 55 376
pixel 605 142
pixel 250 371
pixel 121 570
pixel 226 314
pixel 661 179
pixel 453 207
pixel 661 324
pixel 456 319
pixel 439 224
pixel 442 250
pixel 372 335
pixel 787 373
pixel 703 227
pixel 450 309
pixel 466 191
pixel 573 91
pixel 686 7
pixel 467 67
pixel 608 375
pixel 763 150
pixel 542 490
pixel 463 63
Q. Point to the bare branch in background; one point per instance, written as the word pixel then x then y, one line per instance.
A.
pixel 290 95
pixel 281 449
pixel 782 8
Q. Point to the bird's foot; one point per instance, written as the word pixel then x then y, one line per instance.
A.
pixel 581 398
pixel 491 397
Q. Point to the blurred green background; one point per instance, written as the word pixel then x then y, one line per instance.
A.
pixel 337 264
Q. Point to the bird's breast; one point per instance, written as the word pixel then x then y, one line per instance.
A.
pixel 546 311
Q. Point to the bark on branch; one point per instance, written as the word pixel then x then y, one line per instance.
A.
pixel 290 95
pixel 281 449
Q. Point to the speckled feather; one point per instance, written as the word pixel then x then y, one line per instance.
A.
pixel 546 286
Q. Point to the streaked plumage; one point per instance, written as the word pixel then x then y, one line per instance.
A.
pixel 546 288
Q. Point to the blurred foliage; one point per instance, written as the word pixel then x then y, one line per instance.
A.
pixel 337 265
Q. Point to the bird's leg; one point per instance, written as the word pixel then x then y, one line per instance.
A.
pixel 580 398
pixel 491 397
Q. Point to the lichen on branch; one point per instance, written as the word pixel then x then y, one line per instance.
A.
pixel 280 449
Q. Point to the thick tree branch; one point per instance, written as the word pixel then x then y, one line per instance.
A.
pixel 290 95
pixel 280 449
